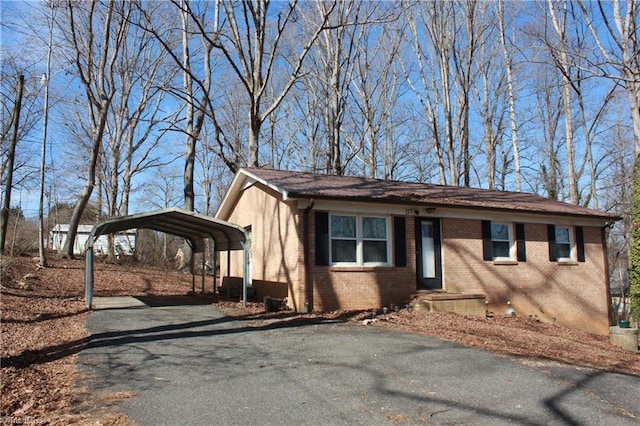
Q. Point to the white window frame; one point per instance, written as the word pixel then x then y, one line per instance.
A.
pixel 512 246
pixel 571 242
pixel 360 240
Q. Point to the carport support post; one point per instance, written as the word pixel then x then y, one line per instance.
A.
pixel 247 267
pixel 192 247
pixel 88 277
pixel 214 251
pixel 228 272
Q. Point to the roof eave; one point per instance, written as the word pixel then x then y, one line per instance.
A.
pixel 608 218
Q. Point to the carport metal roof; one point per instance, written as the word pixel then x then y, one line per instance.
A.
pixel 193 227
pixel 182 223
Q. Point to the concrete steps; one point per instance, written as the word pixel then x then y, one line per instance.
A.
pixel 441 301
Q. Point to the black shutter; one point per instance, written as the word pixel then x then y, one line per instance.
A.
pixel 551 234
pixel 520 243
pixel 399 241
pixel 487 246
pixel 580 243
pixel 322 238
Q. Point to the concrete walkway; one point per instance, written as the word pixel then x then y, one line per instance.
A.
pixel 117 302
pixel 192 365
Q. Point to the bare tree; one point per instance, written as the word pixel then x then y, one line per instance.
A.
pixel 428 99
pixel 30 115
pixel 559 14
pixel 549 112
pixel 195 110
pixel 376 87
pixel 137 122
pixel 95 34
pixel 330 75
pixel 619 59
pixel 15 124
pixel 508 62
pixel 192 54
pixel 212 176
pixel 464 60
pixel 252 48
pixel 305 129
pixel 161 191
pixel 447 36
pixel 620 62
pixel 491 94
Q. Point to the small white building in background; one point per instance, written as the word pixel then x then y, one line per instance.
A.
pixel 125 242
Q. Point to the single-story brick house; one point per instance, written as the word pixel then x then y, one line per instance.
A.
pixel 340 242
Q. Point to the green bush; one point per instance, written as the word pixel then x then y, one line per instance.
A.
pixel 634 272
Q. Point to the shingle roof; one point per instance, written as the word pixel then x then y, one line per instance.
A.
pixel 350 188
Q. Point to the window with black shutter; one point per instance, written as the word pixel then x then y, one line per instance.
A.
pixel 498 242
pixel 322 238
pixel 399 241
pixel 566 243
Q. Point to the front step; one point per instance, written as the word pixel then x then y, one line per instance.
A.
pixel 466 304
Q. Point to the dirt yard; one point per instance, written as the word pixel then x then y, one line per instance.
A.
pixel 43 329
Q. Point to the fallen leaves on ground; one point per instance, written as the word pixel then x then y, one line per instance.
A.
pixel 44 317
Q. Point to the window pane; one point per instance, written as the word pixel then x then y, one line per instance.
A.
pixel 562 235
pixel 374 227
pixel 501 249
pixel 428 251
pixel 564 251
pixel 343 226
pixel 374 251
pixel 427 230
pixel 499 232
pixel 343 250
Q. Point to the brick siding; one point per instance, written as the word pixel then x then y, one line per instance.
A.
pixel 573 295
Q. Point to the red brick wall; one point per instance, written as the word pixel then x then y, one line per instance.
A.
pixel 573 295
pixel 338 287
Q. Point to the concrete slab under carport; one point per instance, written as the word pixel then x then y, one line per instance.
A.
pixel 116 302
pixel 128 302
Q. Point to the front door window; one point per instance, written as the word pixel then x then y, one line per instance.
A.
pixel 428 256
pixel 428 251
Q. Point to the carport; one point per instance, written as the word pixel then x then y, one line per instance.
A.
pixel 195 228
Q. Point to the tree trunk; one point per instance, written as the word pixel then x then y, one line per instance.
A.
pixel 562 62
pixel 512 98
pixel 568 126
pixel 85 195
pixel 254 137
pixel 6 206
pixel 189 166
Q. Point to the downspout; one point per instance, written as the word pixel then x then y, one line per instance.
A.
pixel 605 252
pixel 308 282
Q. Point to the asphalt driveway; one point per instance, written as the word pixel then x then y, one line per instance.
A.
pixel 191 365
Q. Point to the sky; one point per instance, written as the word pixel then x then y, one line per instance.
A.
pixel 57 145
